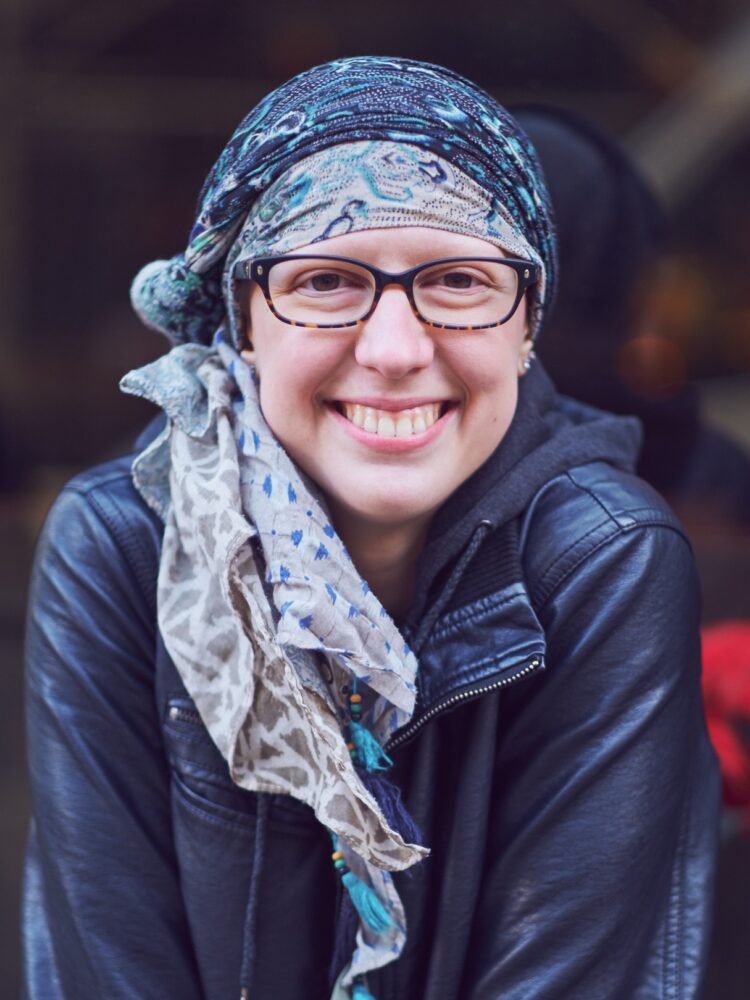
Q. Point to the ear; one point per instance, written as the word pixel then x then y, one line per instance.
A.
pixel 242 298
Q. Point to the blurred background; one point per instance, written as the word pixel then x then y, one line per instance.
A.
pixel 111 115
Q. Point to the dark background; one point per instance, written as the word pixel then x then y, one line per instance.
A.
pixel 112 113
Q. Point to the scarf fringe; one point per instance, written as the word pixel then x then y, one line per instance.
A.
pixel 367 903
pixel 388 797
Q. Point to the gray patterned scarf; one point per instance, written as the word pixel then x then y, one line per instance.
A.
pixel 266 618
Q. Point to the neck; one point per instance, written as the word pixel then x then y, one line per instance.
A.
pixel 385 555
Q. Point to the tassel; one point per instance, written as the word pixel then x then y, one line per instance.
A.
pixel 360 992
pixel 367 903
pixel 370 754
pixel 388 797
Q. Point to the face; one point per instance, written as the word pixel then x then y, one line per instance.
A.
pixel 335 398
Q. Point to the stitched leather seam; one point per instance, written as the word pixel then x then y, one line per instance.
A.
pixel 472 673
pixel 548 581
pixel 239 823
pixel 136 553
pixel 645 514
pixel 213 812
pixel 674 987
pixel 131 547
pixel 551 585
pixel 629 513
pixel 140 557
pixel 194 766
pixel 457 626
pixel 589 492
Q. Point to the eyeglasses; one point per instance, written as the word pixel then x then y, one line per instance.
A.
pixel 453 293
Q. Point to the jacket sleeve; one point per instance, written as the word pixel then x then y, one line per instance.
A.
pixel 603 839
pixel 102 911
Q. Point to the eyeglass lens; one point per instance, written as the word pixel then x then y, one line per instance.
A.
pixel 324 292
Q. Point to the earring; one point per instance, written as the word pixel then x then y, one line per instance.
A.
pixel 524 362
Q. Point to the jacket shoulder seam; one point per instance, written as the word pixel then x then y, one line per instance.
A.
pixel 602 533
pixel 546 588
pixel 91 480
pixel 93 493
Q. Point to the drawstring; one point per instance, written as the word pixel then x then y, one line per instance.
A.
pixel 251 911
pixel 480 533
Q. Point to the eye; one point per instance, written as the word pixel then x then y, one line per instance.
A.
pixel 457 279
pixel 319 289
pixel 325 282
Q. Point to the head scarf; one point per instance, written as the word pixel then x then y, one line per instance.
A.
pixel 345 101
pixel 370 185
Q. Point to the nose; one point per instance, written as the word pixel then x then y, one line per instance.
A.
pixel 393 341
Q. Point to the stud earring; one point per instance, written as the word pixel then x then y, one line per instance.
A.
pixel 524 362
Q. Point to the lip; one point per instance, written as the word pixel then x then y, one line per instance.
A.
pixel 389 403
pixel 393 445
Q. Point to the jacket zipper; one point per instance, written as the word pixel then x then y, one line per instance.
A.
pixel 179 714
pixel 411 727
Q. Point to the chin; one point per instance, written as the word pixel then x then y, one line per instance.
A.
pixel 384 508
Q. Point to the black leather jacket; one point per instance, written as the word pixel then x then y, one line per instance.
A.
pixel 557 763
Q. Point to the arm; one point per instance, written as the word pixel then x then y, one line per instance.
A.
pixel 599 867
pixel 103 915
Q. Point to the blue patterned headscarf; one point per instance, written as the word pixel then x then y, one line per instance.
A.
pixel 348 100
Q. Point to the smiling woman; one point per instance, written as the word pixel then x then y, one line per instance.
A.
pixel 369 597
pixel 344 401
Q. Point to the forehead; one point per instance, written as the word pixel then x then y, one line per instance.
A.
pixel 402 247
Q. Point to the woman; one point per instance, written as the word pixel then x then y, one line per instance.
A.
pixel 378 676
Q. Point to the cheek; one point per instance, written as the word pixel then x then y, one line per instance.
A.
pixel 293 369
pixel 488 368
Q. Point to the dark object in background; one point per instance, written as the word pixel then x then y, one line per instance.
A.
pixel 611 240
pixel 611 237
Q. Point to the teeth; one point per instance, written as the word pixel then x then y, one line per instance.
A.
pixel 386 427
pixel 404 427
pixel 388 423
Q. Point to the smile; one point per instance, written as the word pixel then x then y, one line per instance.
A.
pixel 392 423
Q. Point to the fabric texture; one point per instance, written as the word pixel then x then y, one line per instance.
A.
pixel 267 619
pixel 346 101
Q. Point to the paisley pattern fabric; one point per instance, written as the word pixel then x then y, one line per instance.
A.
pixel 266 617
pixel 345 101
pixel 371 185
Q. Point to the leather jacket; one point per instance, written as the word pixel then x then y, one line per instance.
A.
pixel 557 764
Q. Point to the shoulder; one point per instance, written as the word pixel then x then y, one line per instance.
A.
pixel 107 488
pixel 594 512
pixel 99 520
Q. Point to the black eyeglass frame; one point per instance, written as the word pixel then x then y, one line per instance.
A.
pixel 258 270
